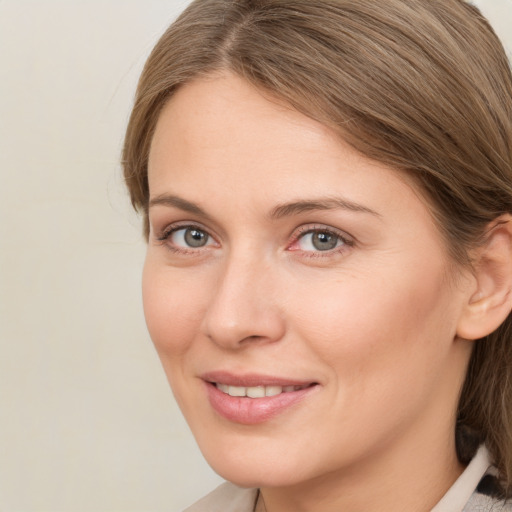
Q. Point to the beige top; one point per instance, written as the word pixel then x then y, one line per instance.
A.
pixel 461 497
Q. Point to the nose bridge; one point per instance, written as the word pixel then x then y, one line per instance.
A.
pixel 244 305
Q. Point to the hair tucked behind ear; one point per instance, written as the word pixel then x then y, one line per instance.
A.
pixel 422 86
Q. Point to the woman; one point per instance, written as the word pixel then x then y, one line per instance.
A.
pixel 326 190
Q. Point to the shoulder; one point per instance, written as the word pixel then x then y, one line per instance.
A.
pixel 226 498
pixel 488 496
pixel 483 503
pixel 476 490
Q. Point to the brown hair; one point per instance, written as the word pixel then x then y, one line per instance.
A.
pixel 420 85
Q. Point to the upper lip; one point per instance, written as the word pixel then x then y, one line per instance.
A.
pixel 252 379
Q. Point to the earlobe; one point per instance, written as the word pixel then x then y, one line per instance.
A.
pixel 491 302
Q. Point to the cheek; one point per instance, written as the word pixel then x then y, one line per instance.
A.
pixel 172 308
pixel 385 341
pixel 371 327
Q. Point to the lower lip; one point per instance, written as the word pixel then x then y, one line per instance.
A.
pixel 250 411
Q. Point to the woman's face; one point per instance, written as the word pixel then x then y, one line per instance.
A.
pixel 298 294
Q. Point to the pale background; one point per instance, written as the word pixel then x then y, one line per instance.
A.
pixel 87 422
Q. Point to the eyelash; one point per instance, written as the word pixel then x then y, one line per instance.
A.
pixel 346 241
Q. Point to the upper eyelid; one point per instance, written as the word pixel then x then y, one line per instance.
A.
pixel 159 225
pixel 176 226
pixel 163 213
pixel 305 229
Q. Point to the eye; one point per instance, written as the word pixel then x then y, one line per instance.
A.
pixel 317 240
pixel 190 237
pixel 187 237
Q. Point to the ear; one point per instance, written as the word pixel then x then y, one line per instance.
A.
pixel 490 301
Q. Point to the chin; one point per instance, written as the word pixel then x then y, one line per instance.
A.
pixel 251 476
pixel 257 468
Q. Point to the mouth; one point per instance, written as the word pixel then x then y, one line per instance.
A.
pixel 258 391
pixel 253 399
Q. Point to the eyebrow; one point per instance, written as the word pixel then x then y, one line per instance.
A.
pixel 278 212
pixel 328 203
pixel 180 203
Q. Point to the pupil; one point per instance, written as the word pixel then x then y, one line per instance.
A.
pixel 195 238
pixel 324 241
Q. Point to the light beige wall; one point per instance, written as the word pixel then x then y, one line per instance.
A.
pixel 87 422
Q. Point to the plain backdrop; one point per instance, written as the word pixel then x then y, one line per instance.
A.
pixel 87 422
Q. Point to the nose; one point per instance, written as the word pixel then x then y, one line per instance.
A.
pixel 244 306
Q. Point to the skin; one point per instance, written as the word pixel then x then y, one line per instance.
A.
pixel 373 321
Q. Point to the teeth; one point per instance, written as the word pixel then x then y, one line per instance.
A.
pixel 224 388
pixel 236 391
pixel 257 391
pixel 273 390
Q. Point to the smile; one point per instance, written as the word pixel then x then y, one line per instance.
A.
pixel 257 391
pixel 254 399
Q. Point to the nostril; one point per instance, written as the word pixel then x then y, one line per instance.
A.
pixel 254 337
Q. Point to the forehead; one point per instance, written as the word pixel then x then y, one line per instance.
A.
pixel 226 112
pixel 220 136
